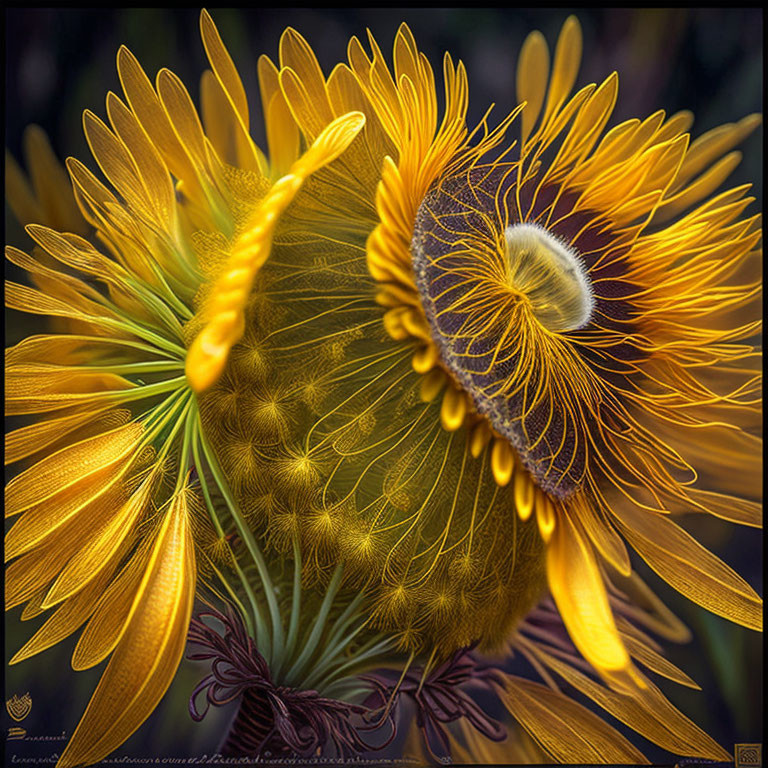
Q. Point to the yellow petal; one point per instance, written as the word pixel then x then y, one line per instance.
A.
pixel 68 618
pixel 33 571
pixel 648 712
pixel 502 461
pixel 51 184
pixel 545 515
pixel 29 300
pixel 601 533
pixel 80 508
pixel 107 623
pixel 70 466
pixel 713 144
pixel 645 607
pixel 731 508
pixel 648 657
pixel 578 589
pixel 213 110
pixel 223 66
pixel 100 545
pixel 150 649
pixel 481 436
pixel 233 104
pixel 690 568
pixel 19 195
pixel 282 135
pixel 565 729
pixel 156 181
pixel 146 105
pixel 432 384
pixel 26 441
pixel 303 84
pixel 532 77
pixel 453 409
pixel 566 65
pixel 525 493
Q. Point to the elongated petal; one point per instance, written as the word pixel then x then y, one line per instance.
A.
pixel 52 187
pixel 602 534
pixel 578 589
pixel 223 67
pixel 69 617
pixel 19 195
pixel 649 713
pixel 26 441
pixel 100 545
pixel 655 661
pixel 565 729
pixel 532 76
pixel 149 650
pixel 646 608
pixel 690 568
pixel 106 625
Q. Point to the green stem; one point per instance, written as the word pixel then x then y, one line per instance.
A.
pixel 333 646
pixel 155 366
pixel 158 416
pixel 250 543
pixel 263 641
pixel 261 633
pixel 310 646
pixel 203 482
pixel 358 664
pixel 185 403
pixel 150 390
pixel 189 430
pixel 146 334
pixel 167 294
pixel 324 664
pixel 293 627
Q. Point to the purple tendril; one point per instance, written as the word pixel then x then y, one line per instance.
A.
pixel 439 699
pixel 275 719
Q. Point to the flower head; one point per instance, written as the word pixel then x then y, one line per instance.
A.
pixel 565 321
pixel 108 525
pixel 417 374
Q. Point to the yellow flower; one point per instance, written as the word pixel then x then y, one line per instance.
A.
pixel 439 370
pixel 106 534
pixel 561 357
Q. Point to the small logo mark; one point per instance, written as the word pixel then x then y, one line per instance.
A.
pixel 19 708
pixel 749 755
pixel 16 733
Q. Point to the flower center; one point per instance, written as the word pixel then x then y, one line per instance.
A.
pixel 550 274
pixel 497 294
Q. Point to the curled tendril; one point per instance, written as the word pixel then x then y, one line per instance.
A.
pixel 438 697
pixel 272 719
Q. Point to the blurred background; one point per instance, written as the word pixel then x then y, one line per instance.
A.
pixel 62 61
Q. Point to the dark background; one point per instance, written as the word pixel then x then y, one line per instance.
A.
pixel 61 61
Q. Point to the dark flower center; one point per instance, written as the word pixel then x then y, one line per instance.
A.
pixel 527 303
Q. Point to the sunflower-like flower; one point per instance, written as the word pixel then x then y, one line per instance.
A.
pixel 473 367
pixel 115 456
pixel 566 330
pixel 418 375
